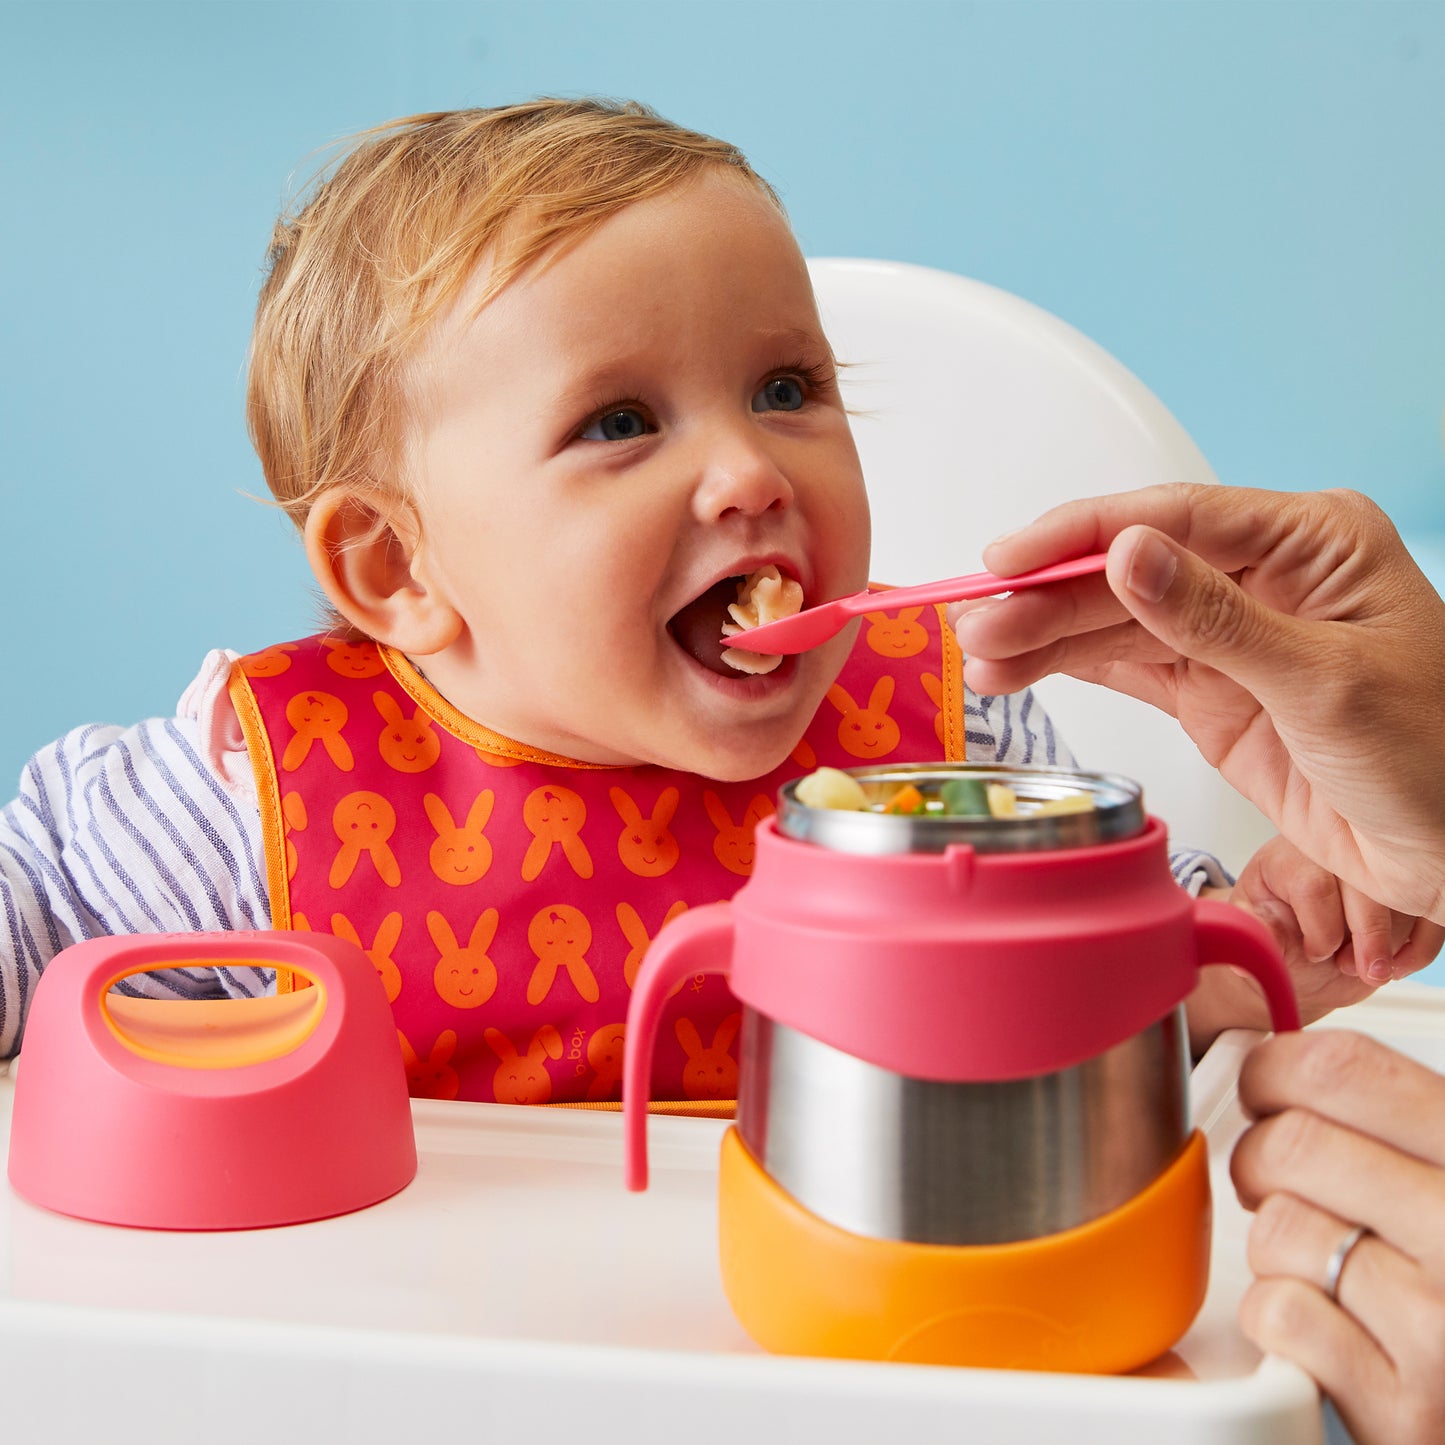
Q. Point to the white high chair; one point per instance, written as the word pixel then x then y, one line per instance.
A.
pixel 974 411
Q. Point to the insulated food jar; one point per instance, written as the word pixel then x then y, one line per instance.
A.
pixel 962 1132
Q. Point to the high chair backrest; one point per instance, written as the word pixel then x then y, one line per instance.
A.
pixel 974 411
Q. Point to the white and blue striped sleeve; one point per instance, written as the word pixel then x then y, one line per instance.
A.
pixel 120 831
pixel 1014 728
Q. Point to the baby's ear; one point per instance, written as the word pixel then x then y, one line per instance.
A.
pixel 363 552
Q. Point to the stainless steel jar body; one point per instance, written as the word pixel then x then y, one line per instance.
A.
pixel 892 1157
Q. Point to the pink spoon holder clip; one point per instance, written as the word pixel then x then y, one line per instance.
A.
pixel 214 1114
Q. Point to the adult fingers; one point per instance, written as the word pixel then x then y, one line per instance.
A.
pixel 1353 1080
pixel 1289 1318
pixel 1377 1346
pixel 1124 658
pixel 1201 613
pixel 1290 1238
pixel 1233 526
pixel 1034 617
pixel 1350 1174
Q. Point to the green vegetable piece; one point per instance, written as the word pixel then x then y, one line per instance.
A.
pixel 964 798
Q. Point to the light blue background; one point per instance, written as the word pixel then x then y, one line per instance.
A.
pixel 1244 202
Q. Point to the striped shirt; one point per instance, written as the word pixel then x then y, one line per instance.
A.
pixel 156 829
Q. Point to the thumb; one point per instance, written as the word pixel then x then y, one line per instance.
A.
pixel 1200 611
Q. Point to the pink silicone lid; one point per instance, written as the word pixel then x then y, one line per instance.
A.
pixel 222 1114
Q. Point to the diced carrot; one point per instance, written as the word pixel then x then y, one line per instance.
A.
pixel 906 800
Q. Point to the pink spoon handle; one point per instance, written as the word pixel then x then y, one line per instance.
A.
pixel 977 584
pixel 816 625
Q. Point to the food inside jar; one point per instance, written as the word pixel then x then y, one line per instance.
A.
pixel 961 797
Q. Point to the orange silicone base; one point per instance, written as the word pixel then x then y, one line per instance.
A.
pixel 1103 1298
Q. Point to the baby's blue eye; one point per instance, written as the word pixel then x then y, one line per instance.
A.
pixel 782 393
pixel 622 425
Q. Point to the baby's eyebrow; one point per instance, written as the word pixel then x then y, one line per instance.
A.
pixel 621 373
pixel 802 338
pixel 615 375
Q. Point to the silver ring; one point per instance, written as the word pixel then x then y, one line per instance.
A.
pixel 1336 1266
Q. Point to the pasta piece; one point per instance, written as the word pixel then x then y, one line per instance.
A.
pixel 1002 801
pixel 764 596
pixel 832 788
pixel 1069 803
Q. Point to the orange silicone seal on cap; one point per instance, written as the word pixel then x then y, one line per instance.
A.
pixel 1103 1298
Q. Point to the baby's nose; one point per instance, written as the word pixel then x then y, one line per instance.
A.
pixel 739 475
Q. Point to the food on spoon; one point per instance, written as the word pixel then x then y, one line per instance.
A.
pixel 763 596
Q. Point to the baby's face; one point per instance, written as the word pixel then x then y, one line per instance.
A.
pixel 604 450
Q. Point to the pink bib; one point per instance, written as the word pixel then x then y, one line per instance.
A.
pixel 508 898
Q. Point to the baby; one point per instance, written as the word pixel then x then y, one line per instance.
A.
pixel 541 386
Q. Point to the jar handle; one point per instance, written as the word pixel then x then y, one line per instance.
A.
pixel 699 941
pixel 1226 934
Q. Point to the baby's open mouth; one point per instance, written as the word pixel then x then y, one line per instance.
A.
pixel 730 607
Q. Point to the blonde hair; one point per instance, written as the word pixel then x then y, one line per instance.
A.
pixel 362 266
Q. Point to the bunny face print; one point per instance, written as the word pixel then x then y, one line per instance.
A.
pixel 599 454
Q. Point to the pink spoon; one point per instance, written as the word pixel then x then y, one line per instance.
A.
pixel 815 625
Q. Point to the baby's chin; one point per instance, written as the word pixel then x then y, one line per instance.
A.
pixel 742 759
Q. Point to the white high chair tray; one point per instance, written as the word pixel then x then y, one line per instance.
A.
pixel 516 1290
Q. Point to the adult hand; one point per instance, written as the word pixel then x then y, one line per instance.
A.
pixel 1290 633
pixel 1349 1133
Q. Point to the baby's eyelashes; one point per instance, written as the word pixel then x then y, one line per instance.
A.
pixel 626 419
pixel 794 386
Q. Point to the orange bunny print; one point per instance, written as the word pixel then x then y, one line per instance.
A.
pixel 933 686
pixel 900 635
pixel 734 844
pixel 465 977
pixel 460 853
pixel 604 1053
pixel 866 732
pixel 293 820
pixel 269 662
pixel 408 744
pixel 388 934
pixel 353 659
pixel 560 937
pixel 519 1080
pixel 555 816
pixel 804 755
pixel 364 822
pixel 635 932
pixel 317 717
pixel 712 1072
pixel 435 1078
pixel 645 846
